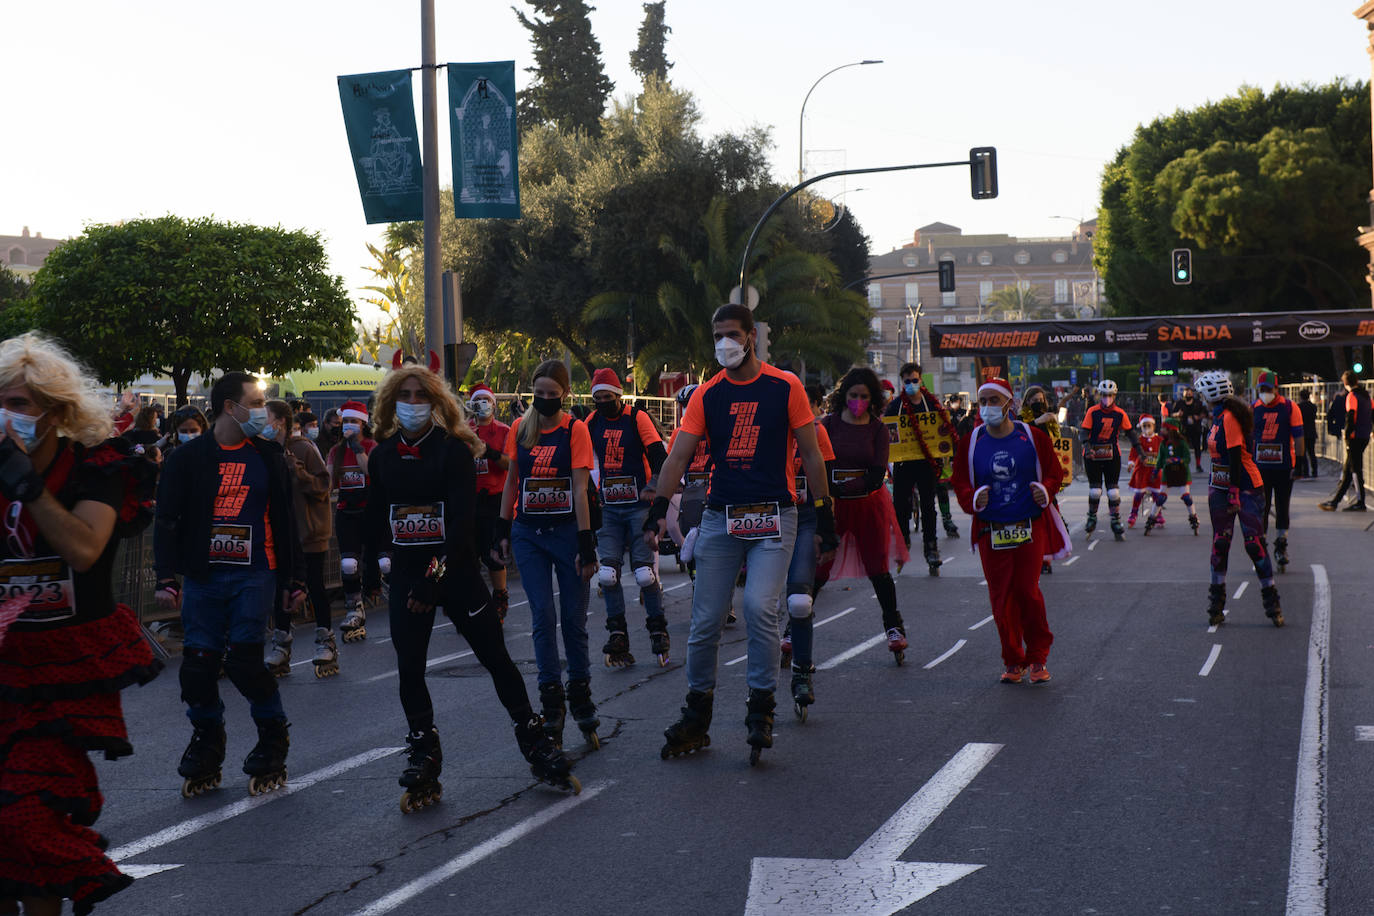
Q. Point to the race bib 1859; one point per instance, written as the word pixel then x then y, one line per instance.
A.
pixel 1010 535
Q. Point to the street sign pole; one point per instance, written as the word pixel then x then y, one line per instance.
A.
pixel 434 308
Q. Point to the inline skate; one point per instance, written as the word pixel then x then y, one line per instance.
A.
pixel 584 711
pixel 200 765
pixel 690 733
pixel 759 720
pixel 547 763
pixel 420 778
pixel 266 762
pixel 617 648
pixel 326 658
pixel 659 643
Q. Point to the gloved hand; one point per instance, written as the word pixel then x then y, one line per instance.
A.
pixel 655 523
pixel 586 547
pixel 825 525
pixel 500 542
pixel 19 482
pixel 426 592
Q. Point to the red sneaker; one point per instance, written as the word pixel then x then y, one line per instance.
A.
pixel 1038 674
pixel 1013 675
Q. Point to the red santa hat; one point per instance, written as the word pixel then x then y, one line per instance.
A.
pixel 998 385
pixel 482 391
pixel 354 410
pixel 605 380
pixel 888 387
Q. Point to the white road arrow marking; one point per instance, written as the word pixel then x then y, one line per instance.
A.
pixel 872 882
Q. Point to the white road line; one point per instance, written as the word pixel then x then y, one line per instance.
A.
pixel 982 623
pixel 1307 861
pixel 678 586
pixel 1073 559
pixel 1240 591
pixel 470 858
pixel 428 664
pixel 983 582
pixel 935 661
pixel 849 653
pixel 1211 660
pixel 736 661
pixel 1364 732
pixel 146 871
pixel 819 623
pixel 209 819
pixel 1092 545
pixel 948 559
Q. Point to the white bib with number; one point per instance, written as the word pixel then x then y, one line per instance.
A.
pixel 799 483
pixel 619 491
pixel 1269 452
pixel 754 521
pixel 231 545
pixel 1221 478
pixel 482 467
pixel 46 582
pixel 546 495
pixel 352 479
pixel 417 525
pixel 1009 535
pixel 1099 452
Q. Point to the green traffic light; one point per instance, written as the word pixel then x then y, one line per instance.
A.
pixel 1183 274
pixel 1358 367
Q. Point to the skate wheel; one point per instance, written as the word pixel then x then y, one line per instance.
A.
pixel 574 784
pixel 594 741
pixel 899 657
pixel 407 805
pixel 754 754
pixel 801 711
pixel 663 753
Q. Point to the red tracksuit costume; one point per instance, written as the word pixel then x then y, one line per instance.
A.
pixel 1007 467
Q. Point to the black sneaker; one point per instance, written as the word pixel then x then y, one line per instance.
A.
pixel 1327 506
pixel 1354 507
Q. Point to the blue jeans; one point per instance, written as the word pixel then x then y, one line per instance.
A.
pixel 801 578
pixel 230 606
pixel 540 554
pixel 621 527
pixel 719 557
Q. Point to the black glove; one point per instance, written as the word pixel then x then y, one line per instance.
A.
pixel 658 510
pixel 825 525
pixel 427 591
pixel 586 546
pixel 492 454
pixel 19 482
pixel 501 532
pixel 355 444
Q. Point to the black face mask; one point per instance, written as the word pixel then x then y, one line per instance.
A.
pixel 548 406
pixel 608 409
pixel 1038 407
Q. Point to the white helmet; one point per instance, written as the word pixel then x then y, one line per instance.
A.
pixel 1214 385
pixel 1106 387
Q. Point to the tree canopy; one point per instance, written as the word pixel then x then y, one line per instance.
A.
pixel 650 58
pixel 187 297
pixel 570 85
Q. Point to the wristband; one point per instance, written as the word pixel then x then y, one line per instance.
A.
pixel 169 585
pixel 822 502
pixel 658 511
pixel 586 546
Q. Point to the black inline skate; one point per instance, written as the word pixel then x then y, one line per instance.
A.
pixel 1149 524
pixel 659 643
pixel 617 646
pixel 200 765
pixel 803 693
pixel 266 762
pixel 584 711
pixel 1118 530
pixel 951 529
pixel 547 763
pixel 551 702
pixel 1269 597
pixel 1281 553
pixel 690 733
pixel 420 778
pixel 1192 520
pixel 932 552
pixel 1216 605
pixel 759 720
pixel 1090 524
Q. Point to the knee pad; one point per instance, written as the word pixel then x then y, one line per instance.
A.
pixel 1187 499
pixel 1254 546
pixel 348 566
pixel 608 576
pixel 384 565
pixel 645 577
pixel 799 606
pixel 1114 495
pixel 244 666
pixel 1161 498
pixel 200 677
pixel 1094 492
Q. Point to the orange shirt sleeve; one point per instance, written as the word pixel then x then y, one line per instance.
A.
pixel 1295 420
pixel 694 417
pixel 1088 417
pixel 1231 427
pixel 1352 403
pixel 581 445
pixel 1125 421
pixel 648 432
pixel 513 440
pixel 798 404
pixel 823 442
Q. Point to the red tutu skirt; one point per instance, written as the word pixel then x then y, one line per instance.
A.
pixel 59 699
pixel 1146 477
pixel 869 537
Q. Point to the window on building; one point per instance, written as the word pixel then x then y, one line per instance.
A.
pixel 1022 257
pixel 948 300
pixel 913 294
pixel 909 260
pixel 875 360
pixel 875 325
pixel 875 295
pixel 1060 256
pixel 947 256
pixel 984 291
pixel 16 256
pixel 1061 291
pixel 985 258
pixel 951 365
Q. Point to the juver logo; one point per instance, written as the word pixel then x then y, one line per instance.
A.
pixel 1314 330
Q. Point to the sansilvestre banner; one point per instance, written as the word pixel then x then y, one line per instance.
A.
pixel 379 115
pixel 1253 331
pixel 486 160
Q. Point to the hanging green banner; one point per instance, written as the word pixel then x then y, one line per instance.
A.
pixel 379 115
pixel 486 172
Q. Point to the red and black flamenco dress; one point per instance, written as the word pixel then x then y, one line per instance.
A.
pixel 63 663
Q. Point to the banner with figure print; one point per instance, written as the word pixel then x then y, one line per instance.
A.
pixel 486 172
pixel 379 115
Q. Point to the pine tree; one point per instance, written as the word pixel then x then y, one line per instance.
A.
pixel 649 59
pixel 570 87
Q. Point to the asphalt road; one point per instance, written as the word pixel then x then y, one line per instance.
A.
pixel 1161 771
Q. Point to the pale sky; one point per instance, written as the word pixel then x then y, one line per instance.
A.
pixel 124 108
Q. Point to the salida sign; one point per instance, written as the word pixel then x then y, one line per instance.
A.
pixel 1174 332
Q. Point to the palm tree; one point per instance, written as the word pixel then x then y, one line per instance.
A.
pixel 1011 303
pixel 404 325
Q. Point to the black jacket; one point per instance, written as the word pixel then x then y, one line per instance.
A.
pixel 186 505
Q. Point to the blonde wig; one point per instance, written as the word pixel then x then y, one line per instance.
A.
pixel 445 411
pixel 60 386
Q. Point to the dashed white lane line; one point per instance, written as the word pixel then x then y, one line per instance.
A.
pixel 983 582
pixel 505 838
pixel 1364 732
pixel 956 647
pixel 1073 559
pixel 1211 660
pixel 984 622
pixel 849 653
pixel 819 623
pixel 1240 591
pixel 1092 545
pixel 210 818
pixel 1308 877
pixel 948 559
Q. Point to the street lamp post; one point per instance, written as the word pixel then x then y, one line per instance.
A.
pixel 801 121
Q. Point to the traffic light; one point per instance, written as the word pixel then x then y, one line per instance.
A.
pixel 982 161
pixel 1357 359
pixel 946 276
pixel 1183 266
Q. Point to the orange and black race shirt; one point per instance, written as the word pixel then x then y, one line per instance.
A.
pixel 749 427
pixel 1277 425
pixel 1104 425
pixel 544 491
pixel 240 533
pixel 799 482
pixel 1225 435
pixel 620 446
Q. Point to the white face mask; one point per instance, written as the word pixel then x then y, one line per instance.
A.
pixel 1267 397
pixel 312 433
pixel 729 353
pixel 351 429
pixel 991 414
pixel 183 438
pixel 269 433
pixel 412 417
pixel 482 407
pixel 256 422
pixel 25 427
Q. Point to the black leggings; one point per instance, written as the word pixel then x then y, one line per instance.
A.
pixel 314 587
pixel 1278 492
pixel 1103 474
pixel 410 634
pixel 921 476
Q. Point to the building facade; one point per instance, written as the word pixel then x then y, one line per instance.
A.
pixel 997 278
pixel 25 253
